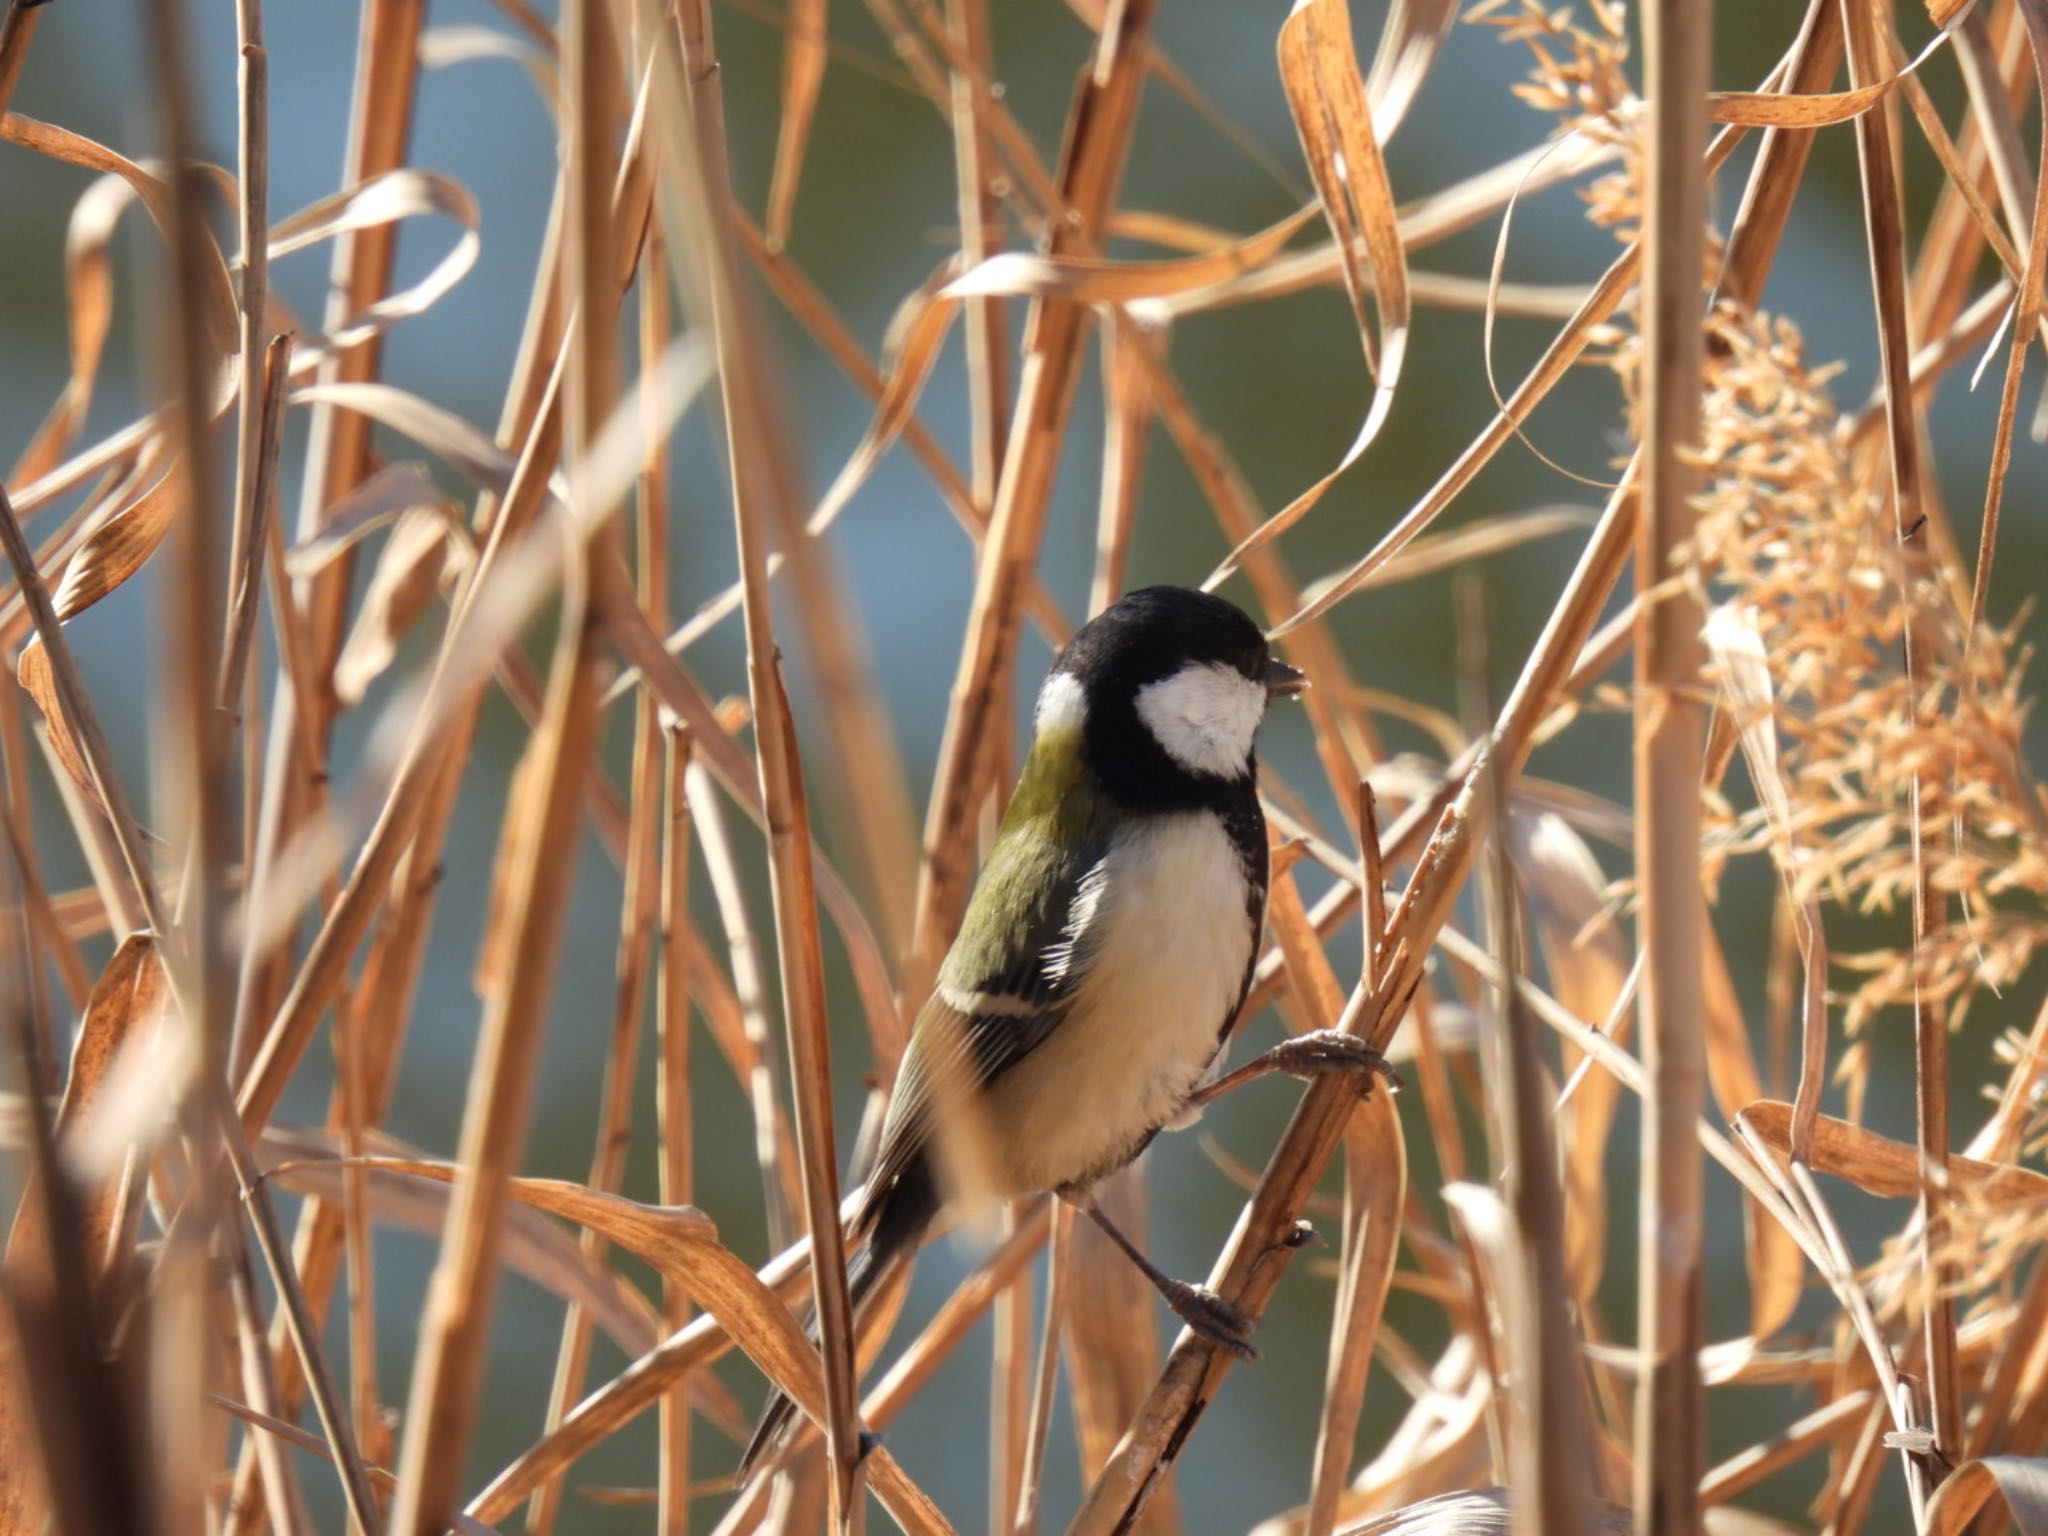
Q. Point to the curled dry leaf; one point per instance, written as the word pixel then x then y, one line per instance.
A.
pixel 1734 637
pixel 2020 1483
pixel 1474 1512
pixel 128 999
pixel 1588 963
pixel 119 547
pixel 435 428
pixel 1790 109
pixel 307 1161
pixel 1327 100
pixel 1090 280
pixel 383 498
pixel 1878 1165
pixel 216 299
pixel 32 671
pixel 408 573
pixel 664 1235
pixel 383 200
pixel 89 313
pixel 445 47
pixel 1414 34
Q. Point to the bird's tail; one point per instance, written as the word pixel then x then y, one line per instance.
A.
pixel 864 1277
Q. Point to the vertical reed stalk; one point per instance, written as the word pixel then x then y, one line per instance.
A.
pixel 541 823
pixel 1670 1435
pixel 1883 214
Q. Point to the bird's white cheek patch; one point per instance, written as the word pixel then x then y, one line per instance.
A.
pixel 1062 705
pixel 1205 716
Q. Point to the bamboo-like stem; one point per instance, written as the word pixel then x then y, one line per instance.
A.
pixel 763 500
pixel 380 127
pixel 540 825
pixel 281 1493
pixel 1031 1495
pixel 672 1099
pixel 981 236
pixel 17 28
pixel 1550 1473
pixel 257 419
pixel 1884 229
pixel 1780 162
pixel 253 515
pixel 1670 1436
pixel 298 1317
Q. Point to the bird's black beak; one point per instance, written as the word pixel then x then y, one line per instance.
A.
pixel 1283 681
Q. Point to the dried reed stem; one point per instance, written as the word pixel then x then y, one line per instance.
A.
pixel 1670 1438
pixel 1884 231
pixel 541 822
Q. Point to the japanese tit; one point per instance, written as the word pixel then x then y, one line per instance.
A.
pixel 1109 942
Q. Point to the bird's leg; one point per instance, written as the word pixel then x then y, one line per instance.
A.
pixel 1311 1055
pixel 1196 1305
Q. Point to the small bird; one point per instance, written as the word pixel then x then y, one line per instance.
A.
pixel 1107 947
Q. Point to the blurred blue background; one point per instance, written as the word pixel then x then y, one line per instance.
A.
pixel 1282 383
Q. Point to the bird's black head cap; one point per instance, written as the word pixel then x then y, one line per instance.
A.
pixel 1146 637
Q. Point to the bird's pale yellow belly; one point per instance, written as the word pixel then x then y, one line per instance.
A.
pixel 1173 944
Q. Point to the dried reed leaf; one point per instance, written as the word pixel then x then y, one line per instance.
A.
pixel 215 300
pixel 1488 536
pixel 1332 118
pixel 438 430
pixel 446 47
pixel 88 313
pixel 128 999
pixel 120 546
pixel 1128 411
pixel 916 334
pixel 2025 318
pixel 1091 280
pixel 382 499
pixel 33 672
pixel 1112 1341
pixel 1565 349
pixel 1734 638
pixel 803 74
pixel 1475 1513
pixel 1878 1165
pixel 409 571
pixel 378 205
pixel 312 1162
pixel 1777 1273
pixel 1588 965
pixel 2020 1483
pixel 1792 109
pixel 663 1235
pixel 743 1310
pixel 1409 43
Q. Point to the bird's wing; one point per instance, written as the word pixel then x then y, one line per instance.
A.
pixel 1004 986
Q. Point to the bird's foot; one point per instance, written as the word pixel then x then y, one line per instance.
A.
pixel 1212 1317
pixel 1332 1050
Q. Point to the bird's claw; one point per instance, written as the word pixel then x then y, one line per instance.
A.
pixel 1332 1050
pixel 1213 1318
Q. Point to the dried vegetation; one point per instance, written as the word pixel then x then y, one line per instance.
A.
pixel 177 1355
